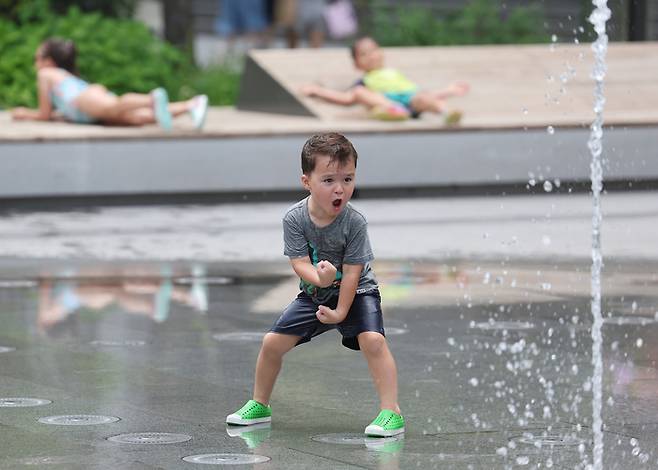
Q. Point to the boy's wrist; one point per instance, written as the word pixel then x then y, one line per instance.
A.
pixel 340 313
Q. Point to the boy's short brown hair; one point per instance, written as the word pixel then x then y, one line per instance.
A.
pixel 332 144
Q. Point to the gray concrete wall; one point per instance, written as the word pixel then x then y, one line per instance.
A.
pixel 256 164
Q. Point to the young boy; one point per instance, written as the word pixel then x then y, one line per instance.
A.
pixel 327 242
pixel 386 92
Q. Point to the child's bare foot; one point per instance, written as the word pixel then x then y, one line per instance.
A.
pixel 453 118
pixel 459 88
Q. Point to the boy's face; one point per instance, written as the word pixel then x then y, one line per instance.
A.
pixel 368 55
pixel 331 185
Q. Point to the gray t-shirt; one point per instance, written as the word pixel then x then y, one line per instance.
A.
pixel 343 241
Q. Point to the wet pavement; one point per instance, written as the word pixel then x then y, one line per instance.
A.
pixel 493 349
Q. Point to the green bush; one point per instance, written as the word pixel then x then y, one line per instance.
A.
pixel 220 82
pixel 121 54
pixel 25 11
pixel 480 22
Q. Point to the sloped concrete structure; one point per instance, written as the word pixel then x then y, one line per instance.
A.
pixel 527 114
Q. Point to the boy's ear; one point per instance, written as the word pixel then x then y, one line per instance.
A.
pixel 305 182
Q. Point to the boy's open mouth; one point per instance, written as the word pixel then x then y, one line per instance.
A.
pixel 337 202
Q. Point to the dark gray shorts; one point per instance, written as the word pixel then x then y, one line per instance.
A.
pixel 299 319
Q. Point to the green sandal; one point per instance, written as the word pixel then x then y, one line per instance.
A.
pixel 251 413
pixel 387 423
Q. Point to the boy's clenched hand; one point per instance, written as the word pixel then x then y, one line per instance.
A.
pixel 326 273
pixel 328 315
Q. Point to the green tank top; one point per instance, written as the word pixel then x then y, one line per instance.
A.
pixel 388 81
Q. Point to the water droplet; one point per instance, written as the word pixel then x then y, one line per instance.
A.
pixel 522 460
pixel 525 110
pixel 502 451
pixel 548 186
pixel 554 38
pixel 474 382
pixel 639 342
pixel 550 130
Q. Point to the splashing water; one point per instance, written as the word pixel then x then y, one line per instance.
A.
pixel 598 18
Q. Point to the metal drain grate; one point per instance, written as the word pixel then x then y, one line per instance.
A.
pixel 504 325
pixel 551 440
pixel 22 402
pixel 113 344
pixel 629 320
pixel 239 336
pixel 226 459
pixel 78 420
pixel 353 439
pixel 150 438
pixel 391 331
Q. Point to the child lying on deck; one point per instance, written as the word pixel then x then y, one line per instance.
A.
pixel 386 92
pixel 63 93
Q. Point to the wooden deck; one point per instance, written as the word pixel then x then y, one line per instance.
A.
pixel 512 87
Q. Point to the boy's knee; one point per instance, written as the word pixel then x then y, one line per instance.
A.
pixel 371 343
pixel 276 344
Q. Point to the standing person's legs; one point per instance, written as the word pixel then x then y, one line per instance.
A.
pixel 382 368
pixel 268 365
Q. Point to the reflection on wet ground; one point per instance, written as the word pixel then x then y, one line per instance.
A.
pixel 494 364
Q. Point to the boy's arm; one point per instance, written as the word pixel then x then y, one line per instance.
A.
pixel 344 98
pixel 348 284
pixel 322 276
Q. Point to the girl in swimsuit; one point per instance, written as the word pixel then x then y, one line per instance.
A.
pixel 61 91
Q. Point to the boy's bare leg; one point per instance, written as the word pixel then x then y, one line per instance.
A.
pixel 382 368
pixel 345 98
pixel 371 99
pixel 426 102
pixel 269 362
pixel 454 89
pixel 356 95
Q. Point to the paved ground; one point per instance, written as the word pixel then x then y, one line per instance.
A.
pixel 153 315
